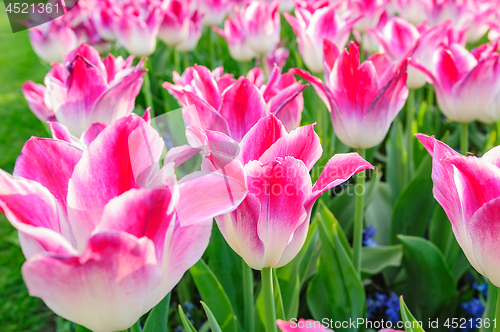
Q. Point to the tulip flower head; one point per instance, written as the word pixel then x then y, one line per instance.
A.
pixel 85 89
pixel 236 38
pixel 261 25
pixel 400 40
pixel 313 29
pixel 467 83
pixel 139 25
pixel 413 11
pixel 234 109
pixel 363 100
pixel 106 236
pixel 270 226
pixel 214 11
pixel 468 189
pixel 51 41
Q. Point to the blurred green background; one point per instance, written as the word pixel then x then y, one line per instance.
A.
pixel 18 63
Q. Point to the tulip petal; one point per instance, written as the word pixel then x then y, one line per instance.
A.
pixel 337 170
pixel 282 187
pixel 302 143
pixel 206 86
pixel 49 162
pixel 39 225
pixel 260 138
pixel 35 96
pixel 91 133
pixel 484 230
pixel 106 164
pixel 493 156
pixel 179 154
pixel 59 131
pixel 321 89
pixel 283 97
pixel 242 106
pixel 197 112
pixel 204 195
pixel 116 281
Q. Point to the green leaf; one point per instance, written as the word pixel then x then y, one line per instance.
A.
pixel 185 322
pixel 431 286
pixel 415 205
pixel 80 328
pixel 158 317
pixel 407 317
pixel 489 311
pixel 213 323
pixel 376 259
pixel 278 303
pixel 379 213
pixel 396 159
pixel 213 295
pixel 343 289
pixel 330 223
pixel 225 263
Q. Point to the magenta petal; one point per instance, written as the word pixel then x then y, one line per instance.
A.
pixel 40 226
pixel 302 143
pixel 260 138
pixel 484 231
pixel 282 187
pixel 107 165
pixel 142 213
pixel 283 97
pixel 91 133
pixel 49 162
pixel 493 156
pixel 59 131
pixel 204 195
pixel 321 89
pixel 180 154
pixel 197 112
pixel 35 96
pixel 116 281
pixel 118 101
pixel 207 86
pixel 338 170
pixel 242 106
pixel 239 228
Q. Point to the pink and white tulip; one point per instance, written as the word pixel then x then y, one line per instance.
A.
pixel 236 38
pixel 234 110
pixel 363 100
pixel 174 28
pixel 270 226
pixel 214 11
pixel 261 25
pixel 468 189
pixel 139 25
pixel 413 11
pixel 85 89
pixel 106 17
pixel 370 11
pixel 313 29
pixel 466 83
pixel 105 237
pixel 302 325
pixel 278 57
pixel 53 40
pixel 400 40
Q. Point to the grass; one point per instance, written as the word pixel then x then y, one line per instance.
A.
pixel 18 63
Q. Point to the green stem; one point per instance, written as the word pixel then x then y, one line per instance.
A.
pixel 248 297
pixel 497 142
pixel 146 88
pixel 430 96
pixel 211 48
pixel 464 138
pixel 177 61
pixel 358 216
pixel 496 322
pixel 410 118
pixel 268 294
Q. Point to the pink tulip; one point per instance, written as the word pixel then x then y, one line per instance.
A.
pixel 174 28
pixel 139 25
pixel 84 90
pixel 51 41
pixel 363 100
pixel 106 17
pixel 261 25
pixel 413 11
pixel 468 190
pixel 234 110
pixel 466 83
pixel 302 325
pixel 270 226
pixel 194 35
pixel 214 11
pixel 400 39
pixel 236 38
pixel 278 57
pixel 371 11
pixel 105 237
pixel 312 29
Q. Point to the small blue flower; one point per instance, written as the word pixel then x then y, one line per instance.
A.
pixel 368 234
pixel 393 308
pixel 474 307
pixel 382 305
pixel 481 288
